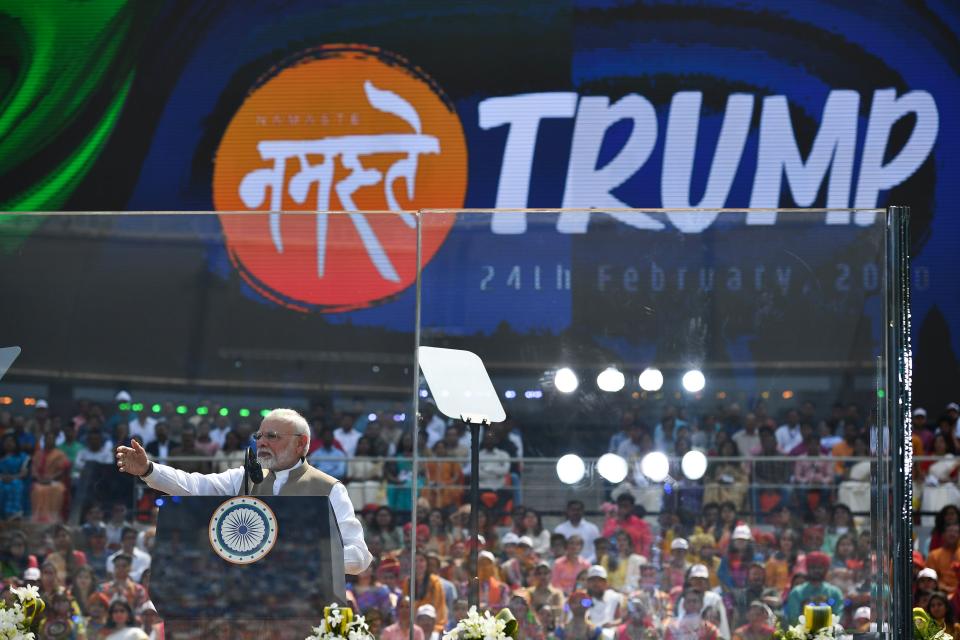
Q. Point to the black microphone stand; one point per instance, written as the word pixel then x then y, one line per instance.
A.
pixel 251 471
pixel 474 558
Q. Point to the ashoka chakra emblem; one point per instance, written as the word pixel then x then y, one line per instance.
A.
pixel 243 530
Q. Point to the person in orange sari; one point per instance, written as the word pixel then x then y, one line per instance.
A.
pixel 429 590
pixel 50 470
pixel 444 480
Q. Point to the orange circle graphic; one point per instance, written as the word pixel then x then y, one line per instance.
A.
pixel 338 128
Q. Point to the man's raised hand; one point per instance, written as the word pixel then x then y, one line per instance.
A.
pixel 132 460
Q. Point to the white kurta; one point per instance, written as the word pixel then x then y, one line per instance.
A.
pixel 356 556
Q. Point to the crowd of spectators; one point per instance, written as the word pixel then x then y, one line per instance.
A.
pixel 781 518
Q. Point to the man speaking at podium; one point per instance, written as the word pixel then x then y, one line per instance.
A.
pixel 282 444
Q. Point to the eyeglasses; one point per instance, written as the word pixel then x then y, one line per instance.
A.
pixel 272 436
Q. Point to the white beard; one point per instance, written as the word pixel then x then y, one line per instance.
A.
pixel 267 461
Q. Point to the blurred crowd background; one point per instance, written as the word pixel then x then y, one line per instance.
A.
pixel 781 517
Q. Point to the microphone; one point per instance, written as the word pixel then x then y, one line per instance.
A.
pixel 252 467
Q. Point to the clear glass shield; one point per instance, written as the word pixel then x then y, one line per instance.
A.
pixel 183 331
pixel 699 404
pixel 698 424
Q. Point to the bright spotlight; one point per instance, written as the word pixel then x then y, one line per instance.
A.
pixel 565 380
pixel 655 466
pixel 693 464
pixel 612 468
pixel 570 469
pixel 693 381
pixel 651 379
pixel 610 380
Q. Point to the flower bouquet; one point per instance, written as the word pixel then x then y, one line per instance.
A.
pixel 17 618
pixel 502 626
pixel 816 623
pixel 339 623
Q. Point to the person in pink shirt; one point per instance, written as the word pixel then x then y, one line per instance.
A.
pixel 400 630
pixel 569 566
pixel 627 520
pixel 814 473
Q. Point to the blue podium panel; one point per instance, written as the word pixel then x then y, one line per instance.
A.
pixel 247 561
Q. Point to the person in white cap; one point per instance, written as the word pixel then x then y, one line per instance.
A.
pixel 515 569
pixel 541 592
pixel 861 619
pixel 509 543
pixel 698 580
pixel 152 624
pixel 675 572
pixel 608 605
pixel 123 413
pixel 921 431
pixel 427 621
pixel 739 553
pixel 953 415
pixel 926 582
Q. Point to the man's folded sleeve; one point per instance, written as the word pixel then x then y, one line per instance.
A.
pixel 356 556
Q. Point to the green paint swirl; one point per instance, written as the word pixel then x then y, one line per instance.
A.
pixel 65 74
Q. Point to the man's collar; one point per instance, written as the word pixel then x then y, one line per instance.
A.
pixel 283 473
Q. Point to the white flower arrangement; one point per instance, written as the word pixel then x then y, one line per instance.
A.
pixel 799 632
pixel 816 623
pixel 16 619
pixel 502 626
pixel 339 623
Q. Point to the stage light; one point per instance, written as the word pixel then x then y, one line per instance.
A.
pixel 509 394
pixel 264 412
pixel 693 464
pixel 158 502
pixel 6 400
pixel 651 379
pixel 570 469
pixel 156 408
pixel 137 406
pixel 565 380
pixel 532 394
pixel 123 406
pixel 224 412
pixel 610 380
pixel 202 411
pixel 612 468
pixel 244 413
pixel 182 409
pixel 694 381
pixel 424 393
pixel 655 466
pixel 371 417
pixel 787 394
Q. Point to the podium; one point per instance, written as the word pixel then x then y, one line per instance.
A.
pixel 246 563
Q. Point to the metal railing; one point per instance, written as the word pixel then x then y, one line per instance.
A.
pixel 534 481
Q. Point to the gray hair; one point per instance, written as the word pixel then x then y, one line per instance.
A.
pixel 291 417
